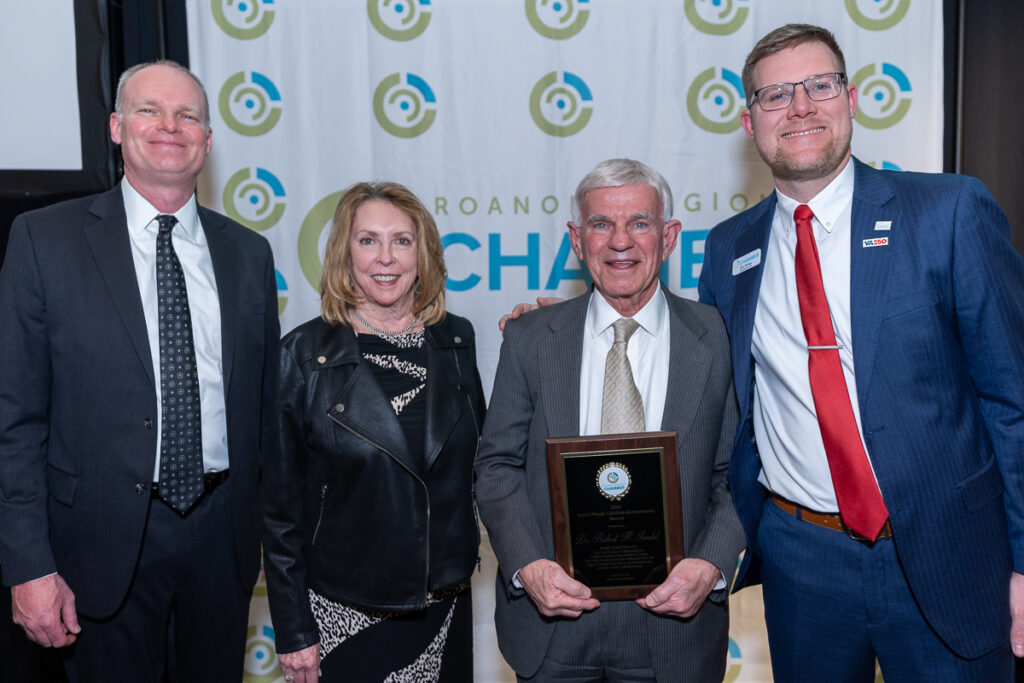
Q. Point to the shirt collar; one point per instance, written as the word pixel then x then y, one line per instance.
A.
pixel 653 317
pixel 142 215
pixel 827 205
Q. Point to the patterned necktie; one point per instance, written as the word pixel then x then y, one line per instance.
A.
pixel 181 438
pixel 622 410
pixel 860 502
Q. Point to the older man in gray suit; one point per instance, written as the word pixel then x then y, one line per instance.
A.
pixel 550 382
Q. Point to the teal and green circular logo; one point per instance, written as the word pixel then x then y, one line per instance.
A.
pixel 877 15
pixel 717 17
pixel 883 95
pixel 249 103
pixel 260 658
pixel 404 105
pixel 884 165
pixel 313 231
pixel 561 103
pixel 557 19
pixel 399 19
pixel 715 100
pixel 282 301
pixel 734 664
pixel 255 198
pixel 243 19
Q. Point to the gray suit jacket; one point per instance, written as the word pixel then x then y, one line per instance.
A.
pixel 536 396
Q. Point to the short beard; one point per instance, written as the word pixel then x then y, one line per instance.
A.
pixel 784 169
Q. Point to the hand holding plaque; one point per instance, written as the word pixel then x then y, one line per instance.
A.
pixel 616 512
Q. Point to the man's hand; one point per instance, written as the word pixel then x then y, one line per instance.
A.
pixel 45 608
pixel 1017 614
pixel 555 593
pixel 685 589
pixel 302 666
pixel 526 308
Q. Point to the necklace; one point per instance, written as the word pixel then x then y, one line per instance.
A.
pixel 383 333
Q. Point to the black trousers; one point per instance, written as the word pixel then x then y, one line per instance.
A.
pixel 186 612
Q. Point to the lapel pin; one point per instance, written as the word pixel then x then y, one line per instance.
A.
pixel 883 225
pixel 876 242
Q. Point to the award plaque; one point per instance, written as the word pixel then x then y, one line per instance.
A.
pixel 616 510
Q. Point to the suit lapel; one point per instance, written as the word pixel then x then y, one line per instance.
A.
pixel 106 231
pixel 560 368
pixel 746 287
pixel 869 267
pixel 688 367
pixel 226 270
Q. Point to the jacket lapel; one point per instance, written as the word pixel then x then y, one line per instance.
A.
pixel 688 367
pixel 560 367
pixel 226 270
pixel 445 390
pixel 869 267
pixel 106 231
pixel 746 286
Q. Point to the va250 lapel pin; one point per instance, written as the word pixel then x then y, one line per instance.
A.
pixel 878 241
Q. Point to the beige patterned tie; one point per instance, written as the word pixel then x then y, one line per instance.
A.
pixel 622 410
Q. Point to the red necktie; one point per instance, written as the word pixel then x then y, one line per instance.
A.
pixel 860 501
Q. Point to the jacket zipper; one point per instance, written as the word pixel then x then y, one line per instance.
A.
pixel 319 519
pixel 426 491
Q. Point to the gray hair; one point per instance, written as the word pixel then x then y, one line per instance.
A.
pixel 131 71
pixel 619 172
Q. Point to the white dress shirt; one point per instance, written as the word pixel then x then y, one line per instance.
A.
pixel 789 441
pixel 648 353
pixel 189 243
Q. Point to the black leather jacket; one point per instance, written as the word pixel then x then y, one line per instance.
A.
pixel 349 509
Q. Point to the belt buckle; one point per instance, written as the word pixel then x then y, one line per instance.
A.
pixel 857 536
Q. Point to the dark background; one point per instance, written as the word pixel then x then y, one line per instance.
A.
pixel 984 95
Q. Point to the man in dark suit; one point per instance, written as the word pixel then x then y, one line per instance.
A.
pixel 876 321
pixel 139 334
pixel 551 382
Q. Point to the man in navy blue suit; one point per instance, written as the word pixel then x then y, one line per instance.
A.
pixel 109 552
pixel 877 328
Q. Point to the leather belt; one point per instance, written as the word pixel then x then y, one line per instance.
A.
pixel 828 520
pixel 211 480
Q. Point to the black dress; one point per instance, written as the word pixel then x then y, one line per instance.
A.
pixel 435 644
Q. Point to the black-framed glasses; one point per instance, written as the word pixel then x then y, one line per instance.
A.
pixel 780 95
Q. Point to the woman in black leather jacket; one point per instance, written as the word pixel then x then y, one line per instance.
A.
pixel 370 533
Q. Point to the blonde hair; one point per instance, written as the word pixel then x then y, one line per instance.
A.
pixel 338 294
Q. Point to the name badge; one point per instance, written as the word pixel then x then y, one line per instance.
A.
pixel 876 242
pixel 746 262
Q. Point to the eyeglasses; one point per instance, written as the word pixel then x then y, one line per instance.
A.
pixel 780 95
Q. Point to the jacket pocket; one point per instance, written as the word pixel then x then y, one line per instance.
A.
pixel 61 485
pixel 982 486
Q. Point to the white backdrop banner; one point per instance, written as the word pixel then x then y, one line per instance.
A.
pixel 492 110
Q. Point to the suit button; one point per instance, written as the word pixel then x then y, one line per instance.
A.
pixel 139 488
pixel 339 408
pixel 458 340
pixel 321 359
pixel 148 422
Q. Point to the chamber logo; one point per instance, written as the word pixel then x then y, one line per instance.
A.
pixel 399 19
pixel 404 105
pixel 613 480
pixel 255 198
pixel 249 103
pixel 282 301
pixel 884 95
pixel 313 231
pixel 715 100
pixel 877 15
pixel 561 104
pixel 243 19
pixel 734 663
pixel 717 17
pixel 557 19
pixel 260 661
pixel 884 165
